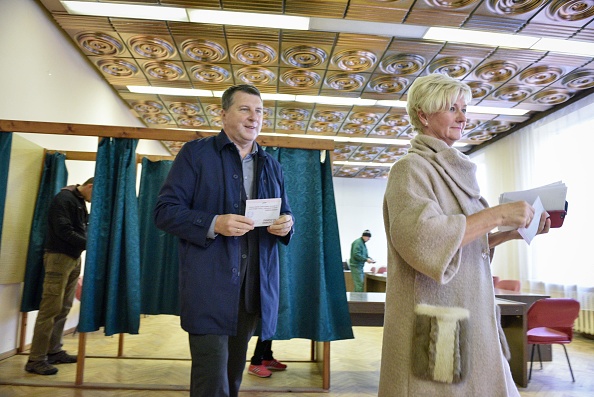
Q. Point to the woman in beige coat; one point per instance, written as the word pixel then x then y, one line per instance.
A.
pixel 441 333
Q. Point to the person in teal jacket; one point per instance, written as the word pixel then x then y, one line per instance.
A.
pixel 358 259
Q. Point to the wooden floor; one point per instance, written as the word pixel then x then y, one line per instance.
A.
pixel 159 357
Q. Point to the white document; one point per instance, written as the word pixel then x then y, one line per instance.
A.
pixel 528 233
pixel 552 196
pixel 263 211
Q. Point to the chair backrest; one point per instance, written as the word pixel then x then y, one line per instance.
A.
pixel 382 270
pixel 509 285
pixel 495 281
pixel 373 269
pixel 555 313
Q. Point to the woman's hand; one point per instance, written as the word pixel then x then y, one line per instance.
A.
pixel 545 223
pixel 516 215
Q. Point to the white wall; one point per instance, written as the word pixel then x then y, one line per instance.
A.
pixel 37 63
pixel 359 205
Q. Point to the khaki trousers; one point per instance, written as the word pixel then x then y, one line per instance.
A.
pixel 59 286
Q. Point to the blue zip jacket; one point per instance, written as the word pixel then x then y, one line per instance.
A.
pixel 205 180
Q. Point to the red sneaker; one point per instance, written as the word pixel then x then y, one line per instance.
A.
pixel 259 370
pixel 274 365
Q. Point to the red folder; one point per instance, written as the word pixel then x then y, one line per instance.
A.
pixel 557 217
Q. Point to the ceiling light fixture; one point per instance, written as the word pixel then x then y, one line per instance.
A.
pixel 480 37
pixel 367 27
pixel 277 97
pixel 335 100
pixel 494 110
pixel 159 13
pixel 248 19
pixel 140 89
pixel 394 104
pixel 468 36
pixel 322 100
pixel 575 47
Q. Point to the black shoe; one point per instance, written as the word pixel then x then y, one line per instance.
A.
pixel 61 357
pixel 40 368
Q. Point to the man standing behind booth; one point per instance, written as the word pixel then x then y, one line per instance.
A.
pixel 358 259
pixel 66 240
pixel 229 270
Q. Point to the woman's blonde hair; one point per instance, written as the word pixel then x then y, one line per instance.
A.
pixel 434 93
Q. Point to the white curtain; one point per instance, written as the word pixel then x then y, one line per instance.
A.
pixel 556 148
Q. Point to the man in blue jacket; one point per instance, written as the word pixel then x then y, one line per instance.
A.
pixel 229 269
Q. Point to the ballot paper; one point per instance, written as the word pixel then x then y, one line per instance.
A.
pixel 528 233
pixel 263 211
pixel 552 196
pixel 545 198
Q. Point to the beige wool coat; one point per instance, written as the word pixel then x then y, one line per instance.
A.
pixel 441 333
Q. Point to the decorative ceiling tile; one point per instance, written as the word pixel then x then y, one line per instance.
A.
pixel 304 56
pixel 581 79
pixel 381 67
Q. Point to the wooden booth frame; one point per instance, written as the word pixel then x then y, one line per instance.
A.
pixel 319 352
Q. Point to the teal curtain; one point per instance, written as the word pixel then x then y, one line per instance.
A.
pixel 159 262
pixel 54 177
pixel 111 287
pixel 5 146
pixel 313 301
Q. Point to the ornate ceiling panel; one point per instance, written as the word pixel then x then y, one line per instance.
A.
pixel 213 57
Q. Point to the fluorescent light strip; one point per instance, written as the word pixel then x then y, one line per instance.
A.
pixel 323 100
pixel 480 37
pixel 468 36
pixel 566 46
pixel 159 13
pixel 140 89
pixel 345 139
pixel 394 104
pixel 335 100
pixel 248 19
pixel 494 110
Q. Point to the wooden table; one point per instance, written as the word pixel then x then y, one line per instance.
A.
pixel 545 350
pixel 367 309
pixel 375 282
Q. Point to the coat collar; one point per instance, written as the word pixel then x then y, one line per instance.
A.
pixel 448 161
pixel 222 140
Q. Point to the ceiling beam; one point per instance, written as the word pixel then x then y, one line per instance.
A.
pixel 107 131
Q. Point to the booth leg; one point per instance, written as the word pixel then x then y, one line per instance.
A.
pixel 80 361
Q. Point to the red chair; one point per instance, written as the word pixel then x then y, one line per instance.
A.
pixel 550 321
pixel 509 285
pixel 495 281
pixel 373 270
pixel 382 270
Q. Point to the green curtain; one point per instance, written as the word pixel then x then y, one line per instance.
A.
pixel 54 177
pixel 5 146
pixel 111 287
pixel 159 262
pixel 313 301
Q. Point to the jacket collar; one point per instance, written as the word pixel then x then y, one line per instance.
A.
pixel 222 140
